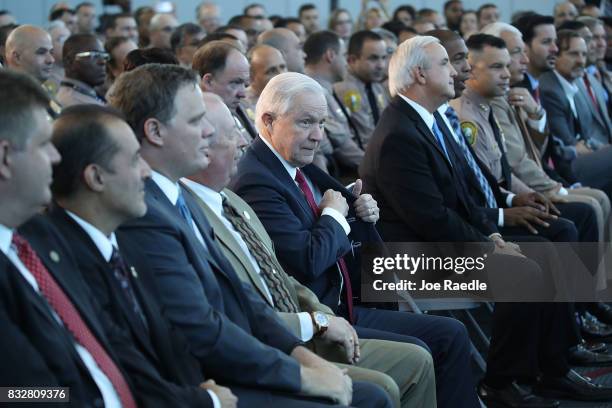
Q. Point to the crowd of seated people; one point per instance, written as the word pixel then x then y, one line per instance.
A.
pixel 184 205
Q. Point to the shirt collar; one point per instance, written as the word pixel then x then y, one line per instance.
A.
pixel 569 88
pixel 292 170
pixel 103 243
pixel 167 186
pixel 327 85
pixel 6 236
pixel 427 117
pixel 591 69
pixel 535 84
pixel 211 197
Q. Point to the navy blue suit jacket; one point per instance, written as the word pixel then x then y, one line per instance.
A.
pixel 236 336
pixel 307 247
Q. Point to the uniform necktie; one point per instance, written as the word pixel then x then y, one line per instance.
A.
pixel 280 294
pixel 303 185
pixel 372 101
pixel 506 170
pixel 67 312
pixel 120 273
pixel 482 180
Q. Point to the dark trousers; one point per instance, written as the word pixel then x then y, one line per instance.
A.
pixel 445 338
pixel 595 169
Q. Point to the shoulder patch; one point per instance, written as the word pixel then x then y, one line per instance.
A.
pixel 470 131
pixel 352 100
pixel 250 114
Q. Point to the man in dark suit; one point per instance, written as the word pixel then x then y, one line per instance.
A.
pixel 51 332
pixel 425 199
pixel 234 334
pixel 97 186
pixel 312 220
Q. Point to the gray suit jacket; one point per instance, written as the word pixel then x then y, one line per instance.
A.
pixel 600 128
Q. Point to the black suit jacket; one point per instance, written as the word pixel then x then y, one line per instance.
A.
pixel 164 348
pixel 235 335
pixel 415 185
pixel 307 247
pixel 35 349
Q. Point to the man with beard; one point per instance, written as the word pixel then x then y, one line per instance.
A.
pixel 85 65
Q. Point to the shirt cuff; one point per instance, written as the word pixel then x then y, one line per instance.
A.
pixel 509 199
pixel 335 214
pixel 563 191
pixel 500 217
pixel 215 399
pixel 306 326
pixel 539 125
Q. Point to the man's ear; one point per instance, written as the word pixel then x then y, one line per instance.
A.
pixel 5 160
pixel 330 55
pixel 206 82
pixel 154 132
pixel 419 75
pixel 351 59
pixel 93 178
pixel 267 119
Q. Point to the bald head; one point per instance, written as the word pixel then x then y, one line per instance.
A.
pixel 29 49
pixel 266 62
pixel 225 147
pixel 289 44
pixel 160 30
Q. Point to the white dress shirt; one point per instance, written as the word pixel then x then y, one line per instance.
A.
pixel 105 245
pixel 108 392
pixel 214 200
pixel 171 190
pixel 570 90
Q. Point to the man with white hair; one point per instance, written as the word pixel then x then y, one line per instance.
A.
pixel 314 221
pixel 425 199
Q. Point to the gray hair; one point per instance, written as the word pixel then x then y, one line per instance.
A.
pixel 590 22
pixel 386 34
pixel 278 95
pixel 409 55
pixel 497 28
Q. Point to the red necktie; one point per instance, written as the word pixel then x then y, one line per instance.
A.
pixel 303 184
pixel 64 308
pixel 587 84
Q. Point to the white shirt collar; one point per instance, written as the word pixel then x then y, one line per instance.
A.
pixel 427 117
pixel 569 88
pixel 167 186
pixel 103 243
pixel 535 84
pixel 292 170
pixel 211 197
pixel 6 236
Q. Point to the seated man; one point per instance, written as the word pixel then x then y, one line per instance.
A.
pixel 85 64
pixel 51 331
pixel 248 247
pixel 424 199
pixel 311 233
pixel 235 335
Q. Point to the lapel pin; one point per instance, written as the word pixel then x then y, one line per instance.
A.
pixel 246 215
pixel 54 256
pixel 134 273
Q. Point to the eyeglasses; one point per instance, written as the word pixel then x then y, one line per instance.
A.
pixel 93 55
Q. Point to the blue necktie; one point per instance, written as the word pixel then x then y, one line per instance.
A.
pixel 183 209
pixel 440 138
pixel 482 180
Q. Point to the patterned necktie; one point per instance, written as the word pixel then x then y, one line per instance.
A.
pixel 372 102
pixel 71 318
pixel 280 294
pixel 482 180
pixel 303 184
pixel 121 275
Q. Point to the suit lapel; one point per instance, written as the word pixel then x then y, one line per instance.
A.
pixel 228 241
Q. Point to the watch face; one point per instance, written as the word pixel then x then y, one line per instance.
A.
pixel 322 319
